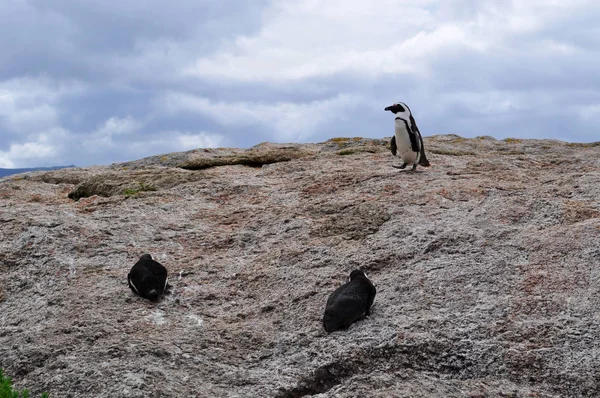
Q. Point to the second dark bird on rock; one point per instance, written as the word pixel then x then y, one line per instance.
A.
pixel 349 302
pixel 148 278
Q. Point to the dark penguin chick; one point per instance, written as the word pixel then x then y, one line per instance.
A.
pixel 349 302
pixel 407 142
pixel 148 278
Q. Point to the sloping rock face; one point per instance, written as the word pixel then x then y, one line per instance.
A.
pixel 487 267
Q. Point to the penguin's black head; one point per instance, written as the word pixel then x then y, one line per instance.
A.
pixel 398 107
pixel 146 257
pixel 356 274
pixel 153 295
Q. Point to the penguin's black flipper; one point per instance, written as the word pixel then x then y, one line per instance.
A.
pixel 372 293
pixel 393 146
pixel 131 285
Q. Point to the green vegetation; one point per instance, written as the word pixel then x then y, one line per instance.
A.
pixel 345 141
pixel 7 391
pixel 142 187
pixel 339 140
pixel 456 138
pixel 485 138
pixel 512 140
pixel 583 144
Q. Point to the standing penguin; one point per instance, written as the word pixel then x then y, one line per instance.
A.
pixel 407 141
pixel 148 278
pixel 349 302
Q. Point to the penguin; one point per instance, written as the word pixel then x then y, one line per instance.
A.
pixel 148 278
pixel 349 302
pixel 407 141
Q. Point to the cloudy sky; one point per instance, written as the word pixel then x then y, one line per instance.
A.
pixel 100 81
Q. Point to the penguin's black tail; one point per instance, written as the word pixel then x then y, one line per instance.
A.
pixel 329 323
pixel 423 161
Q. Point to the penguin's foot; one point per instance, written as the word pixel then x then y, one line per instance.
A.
pixel 403 166
pixel 414 168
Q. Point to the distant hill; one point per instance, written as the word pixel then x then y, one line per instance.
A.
pixel 7 172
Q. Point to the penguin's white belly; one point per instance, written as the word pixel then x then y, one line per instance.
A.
pixel 404 149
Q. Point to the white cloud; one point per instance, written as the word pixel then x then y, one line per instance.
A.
pixel 148 144
pixel 112 130
pixel 310 38
pixel 118 126
pixel 37 150
pixel 589 112
pixel 107 82
pixel 189 141
pixel 288 120
pixel 487 102
pixel 28 104
pixel 52 147
pixel 320 38
pixel 126 138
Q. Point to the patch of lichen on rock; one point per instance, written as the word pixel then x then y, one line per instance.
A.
pixel 513 140
pixel 339 140
pixel 140 187
pixel 353 221
pixel 132 182
pixel 449 151
pixel 583 144
pixel 577 211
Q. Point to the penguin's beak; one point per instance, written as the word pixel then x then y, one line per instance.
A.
pixel 389 108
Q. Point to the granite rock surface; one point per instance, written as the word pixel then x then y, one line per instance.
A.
pixel 487 268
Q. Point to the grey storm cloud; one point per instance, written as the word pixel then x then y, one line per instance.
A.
pixel 97 82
